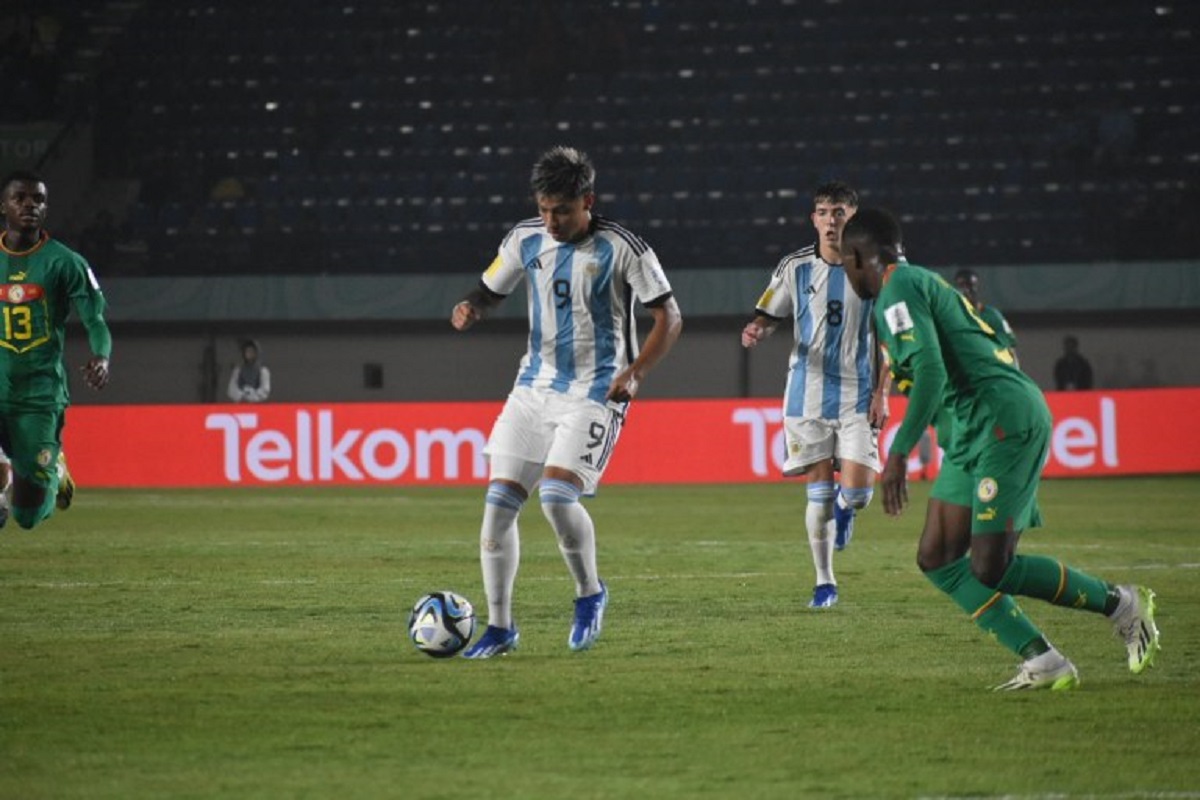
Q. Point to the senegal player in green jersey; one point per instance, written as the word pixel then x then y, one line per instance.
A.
pixel 42 279
pixel 998 431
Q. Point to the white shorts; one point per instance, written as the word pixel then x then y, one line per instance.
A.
pixel 554 430
pixel 812 440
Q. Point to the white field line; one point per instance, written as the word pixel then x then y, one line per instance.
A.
pixel 647 577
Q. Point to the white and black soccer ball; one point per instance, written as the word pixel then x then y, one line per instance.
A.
pixel 441 623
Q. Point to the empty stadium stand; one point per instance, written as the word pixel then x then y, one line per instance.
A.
pixel 375 137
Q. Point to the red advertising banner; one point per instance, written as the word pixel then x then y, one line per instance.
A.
pixel 440 444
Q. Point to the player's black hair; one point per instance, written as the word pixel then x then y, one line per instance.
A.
pixel 836 192
pixel 563 172
pixel 966 275
pixel 879 226
pixel 22 175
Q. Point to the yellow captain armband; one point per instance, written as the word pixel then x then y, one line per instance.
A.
pixel 494 267
pixel 766 298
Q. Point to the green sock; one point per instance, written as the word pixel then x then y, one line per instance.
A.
pixel 993 611
pixel 1049 579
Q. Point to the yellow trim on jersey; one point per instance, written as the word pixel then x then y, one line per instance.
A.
pixel 974 312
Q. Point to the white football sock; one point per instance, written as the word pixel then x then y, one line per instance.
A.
pixel 576 533
pixel 500 551
pixel 818 519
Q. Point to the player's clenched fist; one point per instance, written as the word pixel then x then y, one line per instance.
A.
pixel 752 334
pixel 464 315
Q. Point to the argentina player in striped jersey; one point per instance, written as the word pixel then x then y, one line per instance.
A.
pixel 583 366
pixel 836 396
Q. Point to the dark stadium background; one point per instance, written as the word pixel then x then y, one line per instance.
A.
pixel 327 177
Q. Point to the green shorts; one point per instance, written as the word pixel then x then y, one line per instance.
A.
pixel 953 485
pixel 32 440
pixel 1005 483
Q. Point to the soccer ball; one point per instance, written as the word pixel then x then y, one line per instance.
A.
pixel 441 623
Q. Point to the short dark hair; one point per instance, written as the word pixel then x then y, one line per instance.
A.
pixel 836 192
pixel 22 175
pixel 879 225
pixel 966 275
pixel 563 172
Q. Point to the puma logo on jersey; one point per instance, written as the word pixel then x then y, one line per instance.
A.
pixel 17 276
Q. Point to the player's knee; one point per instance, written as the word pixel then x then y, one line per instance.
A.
pixel 930 561
pixel 858 499
pixel 560 505
pixel 987 573
pixel 505 495
pixel 557 496
pixel 821 492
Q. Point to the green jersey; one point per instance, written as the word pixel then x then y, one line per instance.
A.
pixel 941 422
pixel 957 363
pixel 996 321
pixel 39 286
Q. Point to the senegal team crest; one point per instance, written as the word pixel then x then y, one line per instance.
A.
pixel 988 490
pixel 44 458
pixel 17 293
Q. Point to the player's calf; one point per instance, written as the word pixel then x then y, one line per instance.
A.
pixel 847 504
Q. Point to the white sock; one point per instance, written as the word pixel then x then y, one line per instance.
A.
pixel 500 551
pixel 818 519
pixel 576 533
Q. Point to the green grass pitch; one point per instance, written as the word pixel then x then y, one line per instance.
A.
pixel 251 644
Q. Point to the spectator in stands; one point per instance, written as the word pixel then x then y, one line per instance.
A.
pixel 250 381
pixel 1072 372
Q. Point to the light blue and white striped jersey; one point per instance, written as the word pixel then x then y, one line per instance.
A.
pixel 830 369
pixel 582 329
